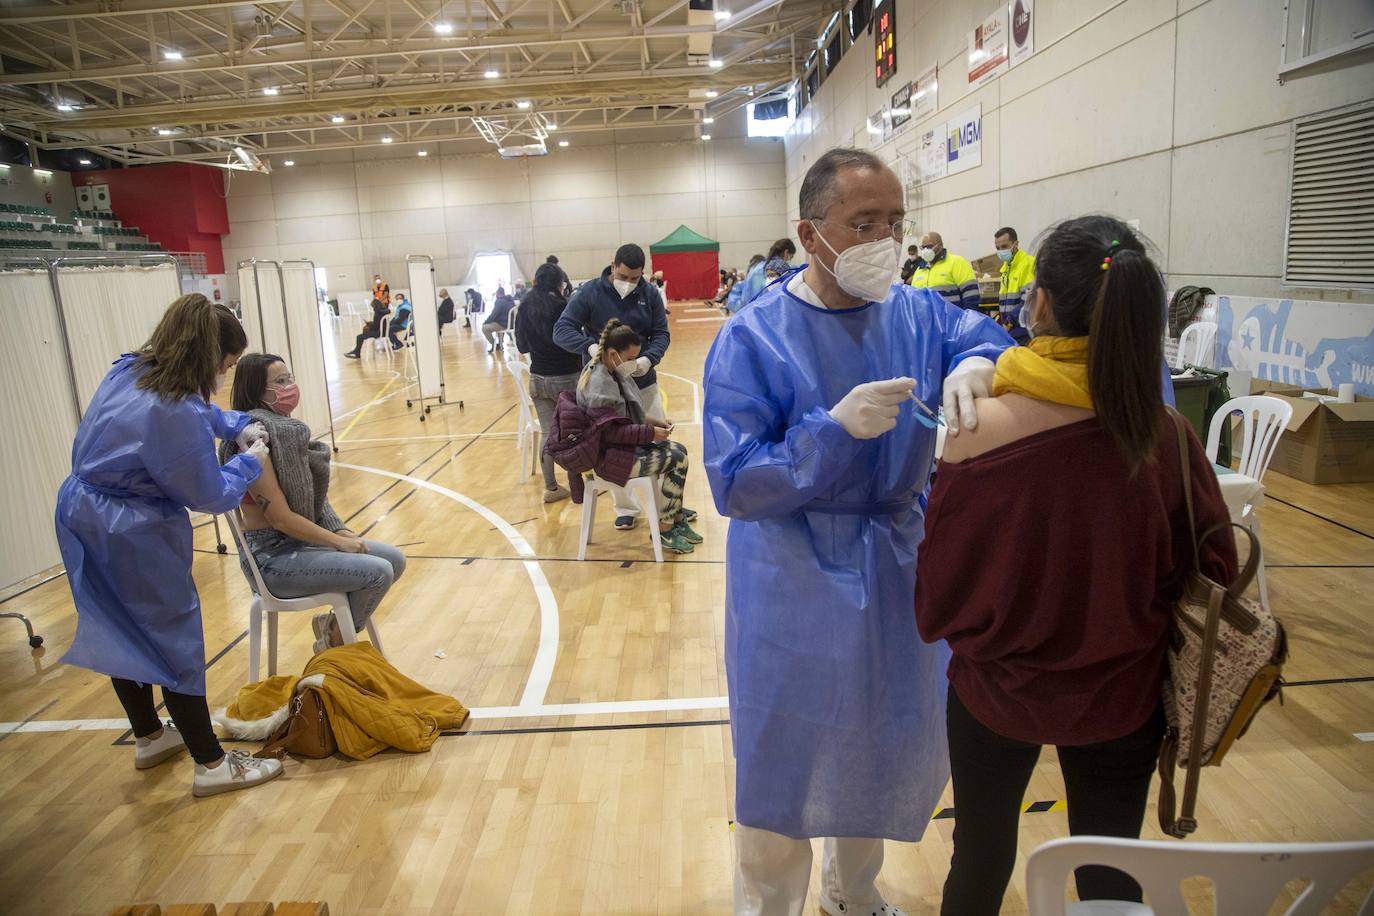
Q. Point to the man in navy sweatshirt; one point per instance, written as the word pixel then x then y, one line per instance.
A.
pixel 621 292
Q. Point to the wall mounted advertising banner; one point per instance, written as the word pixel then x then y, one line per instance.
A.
pixel 923 96
pixel 875 126
pixel 964 140
pixel 987 49
pixel 931 155
pixel 901 107
pixel 1022 30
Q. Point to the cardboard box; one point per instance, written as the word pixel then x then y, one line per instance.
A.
pixel 1325 442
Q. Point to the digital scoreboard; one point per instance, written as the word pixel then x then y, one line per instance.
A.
pixel 885 42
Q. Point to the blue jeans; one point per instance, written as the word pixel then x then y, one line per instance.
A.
pixel 294 569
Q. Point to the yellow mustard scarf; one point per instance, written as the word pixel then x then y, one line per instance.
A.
pixel 1049 369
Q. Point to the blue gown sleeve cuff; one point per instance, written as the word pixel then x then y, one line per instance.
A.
pixel 228 423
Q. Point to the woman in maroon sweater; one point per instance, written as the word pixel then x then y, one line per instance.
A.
pixel 1058 613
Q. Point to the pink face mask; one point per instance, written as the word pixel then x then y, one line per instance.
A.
pixel 287 397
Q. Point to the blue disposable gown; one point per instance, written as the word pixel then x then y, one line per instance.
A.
pixel 836 705
pixel 138 463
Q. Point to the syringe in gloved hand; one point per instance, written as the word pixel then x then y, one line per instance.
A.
pixel 925 416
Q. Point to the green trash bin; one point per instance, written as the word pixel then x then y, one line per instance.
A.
pixel 1198 397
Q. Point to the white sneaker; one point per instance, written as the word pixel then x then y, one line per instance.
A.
pixel 320 623
pixel 834 908
pixel 236 771
pixel 149 752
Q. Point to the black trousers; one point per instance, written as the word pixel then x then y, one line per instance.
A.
pixel 191 714
pixel 365 335
pixel 1107 785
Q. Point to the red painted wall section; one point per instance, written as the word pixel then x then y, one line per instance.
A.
pixel 179 205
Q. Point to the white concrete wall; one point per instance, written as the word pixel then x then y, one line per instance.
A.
pixel 358 213
pixel 1165 111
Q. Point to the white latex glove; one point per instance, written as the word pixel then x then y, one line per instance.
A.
pixel 871 409
pixel 642 366
pixel 971 379
pixel 253 432
pixel 258 450
pixel 594 351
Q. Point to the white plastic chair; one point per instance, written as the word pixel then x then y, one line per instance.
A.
pixel 528 432
pixel 1196 345
pixel 1263 420
pixel 264 602
pixel 644 490
pixel 1247 877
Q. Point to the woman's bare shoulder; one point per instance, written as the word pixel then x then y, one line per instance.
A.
pixel 1006 419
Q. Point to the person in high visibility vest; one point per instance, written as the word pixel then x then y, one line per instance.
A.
pixel 947 274
pixel 1018 273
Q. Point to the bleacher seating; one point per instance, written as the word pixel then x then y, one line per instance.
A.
pixel 61 228
pixel 93 214
pixel 17 226
pixel 38 244
pixel 24 210
pixel 137 246
pixel 83 246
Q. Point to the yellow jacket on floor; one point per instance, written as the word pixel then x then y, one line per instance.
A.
pixel 371 705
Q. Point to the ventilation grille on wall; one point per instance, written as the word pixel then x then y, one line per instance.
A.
pixel 1331 201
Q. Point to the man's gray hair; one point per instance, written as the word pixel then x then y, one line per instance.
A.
pixel 818 187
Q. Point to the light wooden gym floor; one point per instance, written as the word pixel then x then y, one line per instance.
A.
pixel 582 809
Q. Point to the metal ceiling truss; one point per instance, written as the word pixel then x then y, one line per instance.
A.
pixel 272 75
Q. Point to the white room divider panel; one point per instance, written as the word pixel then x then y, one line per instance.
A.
pixel 110 309
pixel 307 347
pixel 282 316
pixel 39 416
pixel 260 291
pixel 425 322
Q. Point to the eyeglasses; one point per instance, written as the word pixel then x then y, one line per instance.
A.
pixel 287 379
pixel 872 232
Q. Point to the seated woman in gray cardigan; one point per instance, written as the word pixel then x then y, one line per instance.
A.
pixel 300 544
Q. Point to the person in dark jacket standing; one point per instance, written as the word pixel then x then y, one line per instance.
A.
pixel 371 330
pixel 552 369
pixel 622 293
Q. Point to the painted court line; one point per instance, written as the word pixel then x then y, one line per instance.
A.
pixel 523 711
pixel 696 394
pixel 541 671
pixel 717 320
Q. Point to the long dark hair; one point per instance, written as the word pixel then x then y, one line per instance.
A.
pixel 1103 284
pixel 187 347
pixel 250 381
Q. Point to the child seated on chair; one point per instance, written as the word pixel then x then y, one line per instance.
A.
pixel 606 385
pixel 299 542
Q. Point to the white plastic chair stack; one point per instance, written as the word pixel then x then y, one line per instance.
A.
pixel 1263 420
pixel 1247 877
pixel 265 603
pixel 644 490
pixel 1196 345
pixel 527 431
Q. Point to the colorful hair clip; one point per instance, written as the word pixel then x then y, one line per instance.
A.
pixel 1106 262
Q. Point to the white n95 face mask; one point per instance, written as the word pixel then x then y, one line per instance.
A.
pixel 868 270
pixel 624 287
pixel 926 254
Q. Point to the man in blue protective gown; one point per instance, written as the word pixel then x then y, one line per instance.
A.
pixel 817 452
